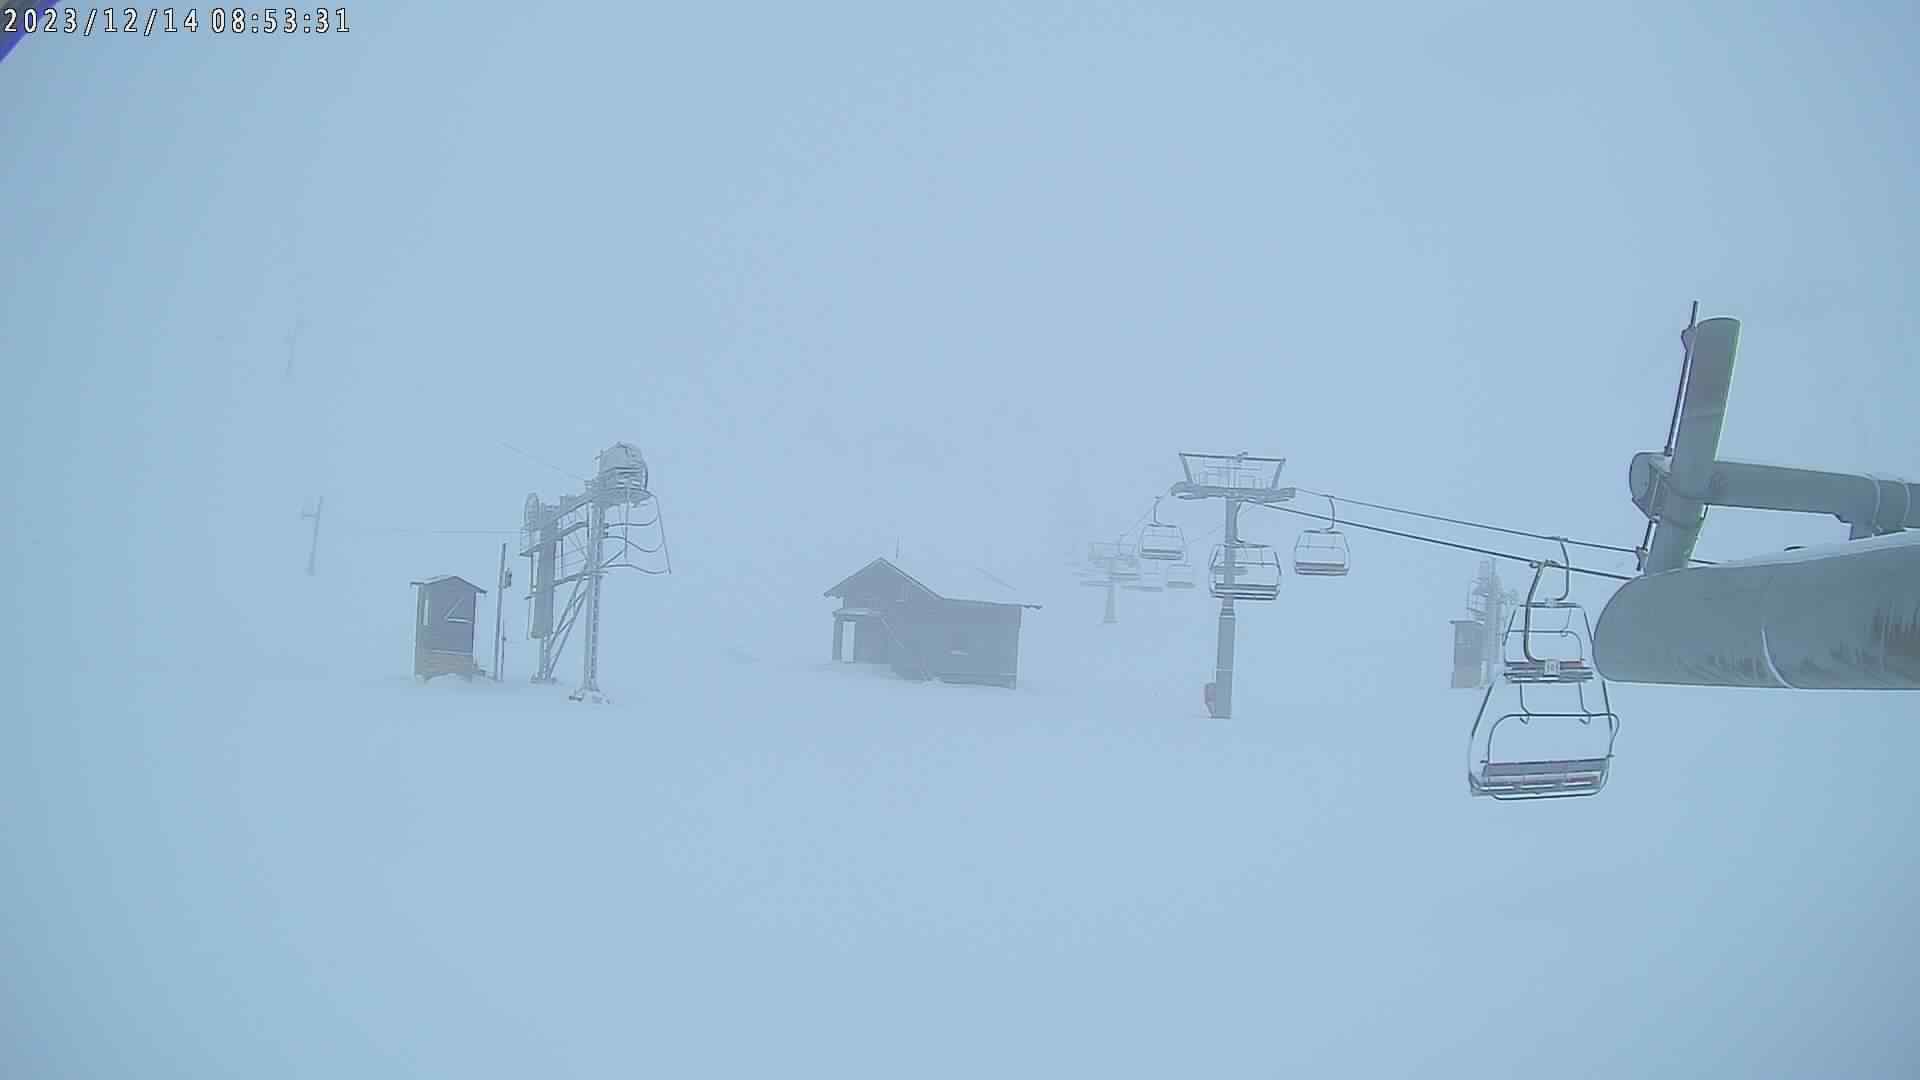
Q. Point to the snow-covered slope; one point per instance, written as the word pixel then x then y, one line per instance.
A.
pixel 757 864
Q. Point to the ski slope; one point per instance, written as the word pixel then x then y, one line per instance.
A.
pixel 758 862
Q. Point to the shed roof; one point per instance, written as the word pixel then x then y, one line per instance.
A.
pixel 450 577
pixel 945 580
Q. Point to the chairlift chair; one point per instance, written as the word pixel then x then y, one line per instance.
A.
pixel 1160 541
pixel 1150 579
pixel 1323 552
pixel 1548 639
pixel 1180 575
pixel 1553 689
pixel 1256 572
pixel 1535 776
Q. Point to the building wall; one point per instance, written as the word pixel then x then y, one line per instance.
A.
pixel 926 638
pixel 439 632
pixel 869 642
pixel 958 642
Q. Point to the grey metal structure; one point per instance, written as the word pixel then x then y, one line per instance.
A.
pixel 293 339
pixel 313 543
pixel 502 583
pixel 1323 551
pixel 1179 574
pixel 566 543
pixel 1235 479
pixel 1109 566
pixel 1835 617
pixel 1545 664
pixel 1841 616
pixel 1477 638
pixel 1162 541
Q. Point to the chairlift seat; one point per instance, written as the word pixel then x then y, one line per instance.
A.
pixel 1180 576
pixel 1256 573
pixel 1319 567
pixel 1246 590
pixel 1549 671
pixel 1161 542
pixel 1541 779
pixel 1321 553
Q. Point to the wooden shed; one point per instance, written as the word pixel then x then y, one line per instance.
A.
pixel 955 624
pixel 446 609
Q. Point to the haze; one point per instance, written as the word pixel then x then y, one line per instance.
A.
pixel 959 284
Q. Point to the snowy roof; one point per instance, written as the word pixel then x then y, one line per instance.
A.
pixel 947 580
pixel 450 577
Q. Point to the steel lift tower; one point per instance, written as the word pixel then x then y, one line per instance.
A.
pixel 1238 570
pixel 567 544
pixel 1841 616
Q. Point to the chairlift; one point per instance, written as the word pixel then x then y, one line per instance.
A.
pixel 1323 552
pixel 1160 541
pixel 1553 640
pixel 1180 575
pixel 1149 579
pixel 1546 662
pixel 1255 572
pixel 1126 564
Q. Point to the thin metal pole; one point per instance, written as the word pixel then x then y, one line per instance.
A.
pixel 1112 615
pixel 590 647
pixel 1223 655
pixel 499 617
pixel 313 546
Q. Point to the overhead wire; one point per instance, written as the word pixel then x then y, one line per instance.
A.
pixel 1468 523
pixel 1570 541
pixel 1454 544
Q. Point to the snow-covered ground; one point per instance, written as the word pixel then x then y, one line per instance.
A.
pixel 756 862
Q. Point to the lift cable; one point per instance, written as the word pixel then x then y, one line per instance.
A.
pixel 1474 525
pixel 1457 546
pixel 429 532
pixel 1463 521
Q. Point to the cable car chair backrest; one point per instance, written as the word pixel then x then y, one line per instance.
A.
pixel 1323 551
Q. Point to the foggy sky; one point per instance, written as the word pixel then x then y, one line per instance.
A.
pixel 854 276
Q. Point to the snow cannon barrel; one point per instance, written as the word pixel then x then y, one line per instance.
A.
pixel 1837 617
pixel 621 476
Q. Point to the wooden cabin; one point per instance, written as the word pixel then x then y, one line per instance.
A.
pixel 955 624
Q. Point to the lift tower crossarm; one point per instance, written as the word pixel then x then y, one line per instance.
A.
pixel 552 513
pixel 1871 506
pixel 1265 497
